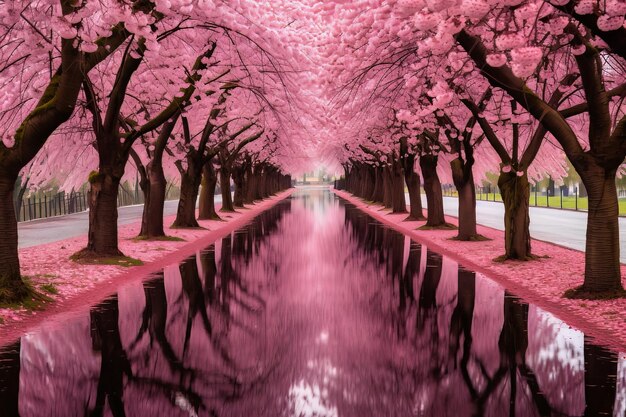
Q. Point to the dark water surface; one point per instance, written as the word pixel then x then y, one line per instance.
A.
pixel 313 309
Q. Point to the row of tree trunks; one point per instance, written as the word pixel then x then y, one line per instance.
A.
pixel 385 186
pixel 251 184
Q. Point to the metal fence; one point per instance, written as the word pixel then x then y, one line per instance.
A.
pixel 558 198
pixel 43 205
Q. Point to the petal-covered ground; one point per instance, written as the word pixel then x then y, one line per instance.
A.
pixel 49 267
pixel 542 281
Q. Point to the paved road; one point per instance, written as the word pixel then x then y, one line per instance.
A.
pixel 38 232
pixel 564 227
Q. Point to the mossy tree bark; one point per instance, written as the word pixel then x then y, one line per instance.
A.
pixel 102 200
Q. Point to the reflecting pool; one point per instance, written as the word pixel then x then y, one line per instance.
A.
pixel 312 309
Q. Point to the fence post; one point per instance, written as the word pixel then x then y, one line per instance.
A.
pixel 561 188
pixel 576 197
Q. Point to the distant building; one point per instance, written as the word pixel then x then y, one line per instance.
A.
pixel 319 176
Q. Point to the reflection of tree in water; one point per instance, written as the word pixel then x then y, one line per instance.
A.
pixel 513 386
pixel 154 320
pixel 197 345
pixel 461 324
pixel 105 336
pixel 10 379
pixel 600 380
pixel 219 300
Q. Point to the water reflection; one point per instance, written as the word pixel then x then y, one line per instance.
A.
pixel 313 309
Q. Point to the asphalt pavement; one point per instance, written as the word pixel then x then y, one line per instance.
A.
pixel 52 229
pixel 564 227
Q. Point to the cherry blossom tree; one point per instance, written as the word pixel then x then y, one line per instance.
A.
pixel 59 43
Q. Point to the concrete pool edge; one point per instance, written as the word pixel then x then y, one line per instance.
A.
pixel 59 310
pixel 602 320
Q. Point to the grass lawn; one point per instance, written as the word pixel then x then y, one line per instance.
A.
pixel 555 202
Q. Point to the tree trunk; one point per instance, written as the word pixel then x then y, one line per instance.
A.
pixel 12 288
pixel 253 185
pixel 378 191
pixel 413 184
pixel 238 178
pixel 207 195
pixel 387 193
pixel 152 219
pixel 227 200
pixel 251 181
pixel 463 178
pixel 515 192
pixel 186 213
pixel 602 254
pixel 102 198
pixel 261 183
pixel 397 188
pixel 432 188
